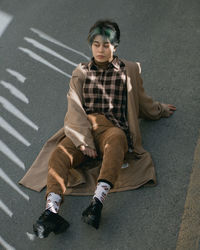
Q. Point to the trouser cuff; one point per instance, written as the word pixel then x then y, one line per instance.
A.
pixel 108 182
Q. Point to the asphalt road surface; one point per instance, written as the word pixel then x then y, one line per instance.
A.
pixel 40 44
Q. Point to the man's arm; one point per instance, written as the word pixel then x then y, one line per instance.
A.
pixel 76 125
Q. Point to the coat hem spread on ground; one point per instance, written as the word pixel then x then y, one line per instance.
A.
pixel 83 179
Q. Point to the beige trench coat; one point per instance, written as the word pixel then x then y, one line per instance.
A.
pixel 82 180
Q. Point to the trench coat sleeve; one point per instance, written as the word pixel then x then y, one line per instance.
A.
pixel 76 124
pixel 148 108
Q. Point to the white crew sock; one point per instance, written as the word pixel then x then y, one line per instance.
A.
pixel 101 191
pixel 53 202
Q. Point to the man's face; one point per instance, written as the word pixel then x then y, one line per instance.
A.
pixel 102 50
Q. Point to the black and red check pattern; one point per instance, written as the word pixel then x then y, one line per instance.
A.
pixel 105 92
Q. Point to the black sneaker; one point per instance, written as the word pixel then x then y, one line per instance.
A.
pixel 49 222
pixel 92 214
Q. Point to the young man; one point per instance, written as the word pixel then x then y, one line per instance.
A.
pixel 105 99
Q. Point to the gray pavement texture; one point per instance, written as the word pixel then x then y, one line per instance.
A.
pixel 164 37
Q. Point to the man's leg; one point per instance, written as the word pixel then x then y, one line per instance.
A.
pixel 112 144
pixel 65 156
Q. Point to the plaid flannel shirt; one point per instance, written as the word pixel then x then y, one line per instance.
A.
pixel 105 92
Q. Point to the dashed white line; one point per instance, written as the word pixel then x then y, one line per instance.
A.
pixel 16 112
pixel 42 60
pixel 53 40
pixel 11 130
pixel 48 50
pixel 12 156
pixel 31 236
pixel 5 244
pixel 7 179
pixel 5 19
pixel 16 74
pixel 11 108
pixel 14 91
pixel 5 209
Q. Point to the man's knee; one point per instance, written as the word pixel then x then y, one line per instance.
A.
pixel 117 137
pixel 59 157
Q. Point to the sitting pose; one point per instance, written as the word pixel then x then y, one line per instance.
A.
pixel 105 100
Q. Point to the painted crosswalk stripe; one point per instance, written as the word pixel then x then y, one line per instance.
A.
pixel 30 236
pixel 53 40
pixel 16 74
pixel 48 50
pixel 14 91
pixel 11 130
pixel 5 20
pixel 16 112
pixel 5 209
pixel 11 155
pixel 7 179
pixel 42 60
pixel 5 244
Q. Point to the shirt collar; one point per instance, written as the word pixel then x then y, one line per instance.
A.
pixel 115 63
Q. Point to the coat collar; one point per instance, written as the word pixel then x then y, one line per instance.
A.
pixel 115 63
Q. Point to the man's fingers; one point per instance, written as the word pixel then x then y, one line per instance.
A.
pixel 94 154
pixel 82 147
pixel 172 107
pixel 91 153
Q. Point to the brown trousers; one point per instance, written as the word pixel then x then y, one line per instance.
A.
pixel 111 145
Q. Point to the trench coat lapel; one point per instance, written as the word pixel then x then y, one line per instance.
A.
pixel 133 111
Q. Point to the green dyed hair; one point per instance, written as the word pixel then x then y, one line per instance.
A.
pixel 107 29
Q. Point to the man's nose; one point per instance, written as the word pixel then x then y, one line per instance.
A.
pixel 101 49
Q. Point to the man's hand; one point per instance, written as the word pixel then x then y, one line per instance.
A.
pixel 169 109
pixel 88 151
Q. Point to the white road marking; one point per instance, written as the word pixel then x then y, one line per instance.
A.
pixel 189 233
pixel 31 236
pixel 5 19
pixel 16 112
pixel 16 74
pixel 11 108
pixel 5 209
pixel 48 50
pixel 42 60
pixel 12 156
pixel 14 91
pixel 7 179
pixel 6 126
pixel 5 244
pixel 51 39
